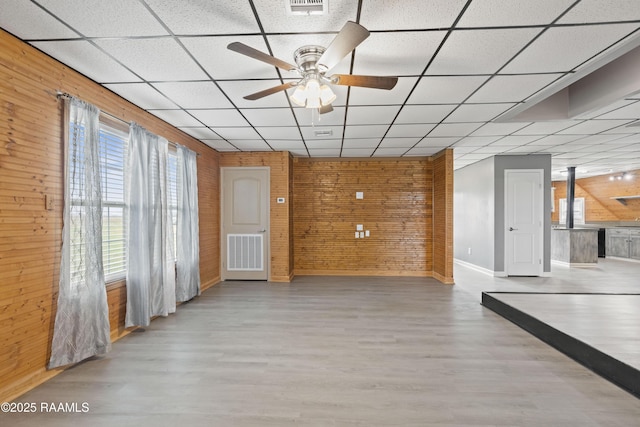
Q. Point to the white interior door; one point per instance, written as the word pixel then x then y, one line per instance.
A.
pixel 524 206
pixel 245 223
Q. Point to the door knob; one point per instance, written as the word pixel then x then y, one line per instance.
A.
pixel 262 231
pixel 511 228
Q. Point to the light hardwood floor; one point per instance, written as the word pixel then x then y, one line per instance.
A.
pixel 344 351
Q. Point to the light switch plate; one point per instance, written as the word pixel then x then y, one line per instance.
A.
pixel 359 195
pixel 359 227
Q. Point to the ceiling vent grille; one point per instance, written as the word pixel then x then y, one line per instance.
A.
pixel 307 7
pixel 322 132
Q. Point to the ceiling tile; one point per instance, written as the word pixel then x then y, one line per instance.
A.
pixel 389 152
pixel 424 113
pixel 593 126
pixel 490 129
pixel 219 145
pixel 88 60
pixel 410 130
pixel 454 129
pixel 511 88
pixel 26 20
pixel 201 133
pixel 477 112
pixel 556 139
pixel 309 132
pixel 286 145
pixel 423 151
pixel 194 94
pixel 396 54
pixel 476 141
pixel 611 108
pixel 205 16
pixel 222 63
pixel 399 142
pixel 562 49
pixel 496 13
pixel 360 143
pixel 631 111
pixel 176 117
pixel 115 18
pixel 438 141
pixel 324 144
pixel 309 116
pixel 372 115
pixel 602 11
pixel 475 52
pixel 251 145
pixel 397 95
pixel 445 90
pixel 153 59
pixel 545 128
pixel 362 131
pixel 411 14
pixel 325 152
pixel 141 94
pixel 221 117
pixel 283 132
pixel 269 117
pixel 514 140
pixel 237 133
pixel 274 17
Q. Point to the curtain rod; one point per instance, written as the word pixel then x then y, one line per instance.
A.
pixel 60 94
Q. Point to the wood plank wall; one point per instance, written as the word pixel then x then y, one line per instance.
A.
pixel 396 208
pixel 280 224
pixel 443 216
pixel 598 192
pixel 31 169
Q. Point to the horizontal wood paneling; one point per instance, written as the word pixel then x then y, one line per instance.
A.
pixel 396 209
pixel 598 192
pixel 31 170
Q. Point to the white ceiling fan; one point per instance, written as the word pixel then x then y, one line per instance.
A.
pixel 314 63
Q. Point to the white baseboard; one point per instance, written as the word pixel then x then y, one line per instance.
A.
pixel 474 267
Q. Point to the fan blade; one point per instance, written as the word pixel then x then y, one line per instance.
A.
pixel 270 91
pixel 260 56
pixel 376 82
pixel 350 36
pixel 326 109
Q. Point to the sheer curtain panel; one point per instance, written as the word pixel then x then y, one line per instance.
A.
pixel 188 243
pixel 151 286
pixel 81 328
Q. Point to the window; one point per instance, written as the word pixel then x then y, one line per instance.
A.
pixel 113 144
pixel 172 196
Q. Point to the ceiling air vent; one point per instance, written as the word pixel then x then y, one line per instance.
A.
pixel 319 133
pixel 307 7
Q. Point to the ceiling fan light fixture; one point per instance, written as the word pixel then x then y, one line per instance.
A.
pixel 299 96
pixel 326 95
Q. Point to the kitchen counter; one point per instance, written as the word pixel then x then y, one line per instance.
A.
pixel 574 246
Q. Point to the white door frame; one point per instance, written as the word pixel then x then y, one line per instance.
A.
pixel 540 217
pixel 267 251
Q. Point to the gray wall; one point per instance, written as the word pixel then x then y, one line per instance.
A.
pixel 479 209
pixel 473 219
pixel 532 161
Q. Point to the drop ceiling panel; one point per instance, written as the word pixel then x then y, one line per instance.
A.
pixel 26 20
pixel 474 51
pixel 370 131
pixel 227 64
pixel 593 126
pixel 511 88
pixel 308 116
pixel 454 129
pixel 476 141
pixel 490 129
pixel 251 145
pixel 604 110
pixel 399 142
pixel 201 133
pixel 423 151
pixel 410 14
pixel 290 132
pixel 115 18
pixel 308 132
pixel 205 16
pixel 372 115
pixel 269 117
pixel 631 111
pixel 287 145
pixel 219 145
pixel 237 133
pixel 153 59
pixel 445 90
pixel 553 140
pixel 562 49
pixel 325 152
pixel 221 117
pixel 498 13
pixel 142 95
pixel 424 113
pixel 602 11
pixel 88 60
pixel 546 128
pixel 410 130
pixel 396 54
pixel 176 117
pixel 514 140
pixel 194 94
pixel 477 112
pixel 389 152
pixel 275 19
pixel 438 141
pixel 360 143
pixel 324 144
pixel 357 152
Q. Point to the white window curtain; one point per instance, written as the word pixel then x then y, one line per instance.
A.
pixel 81 327
pixel 188 243
pixel 151 286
